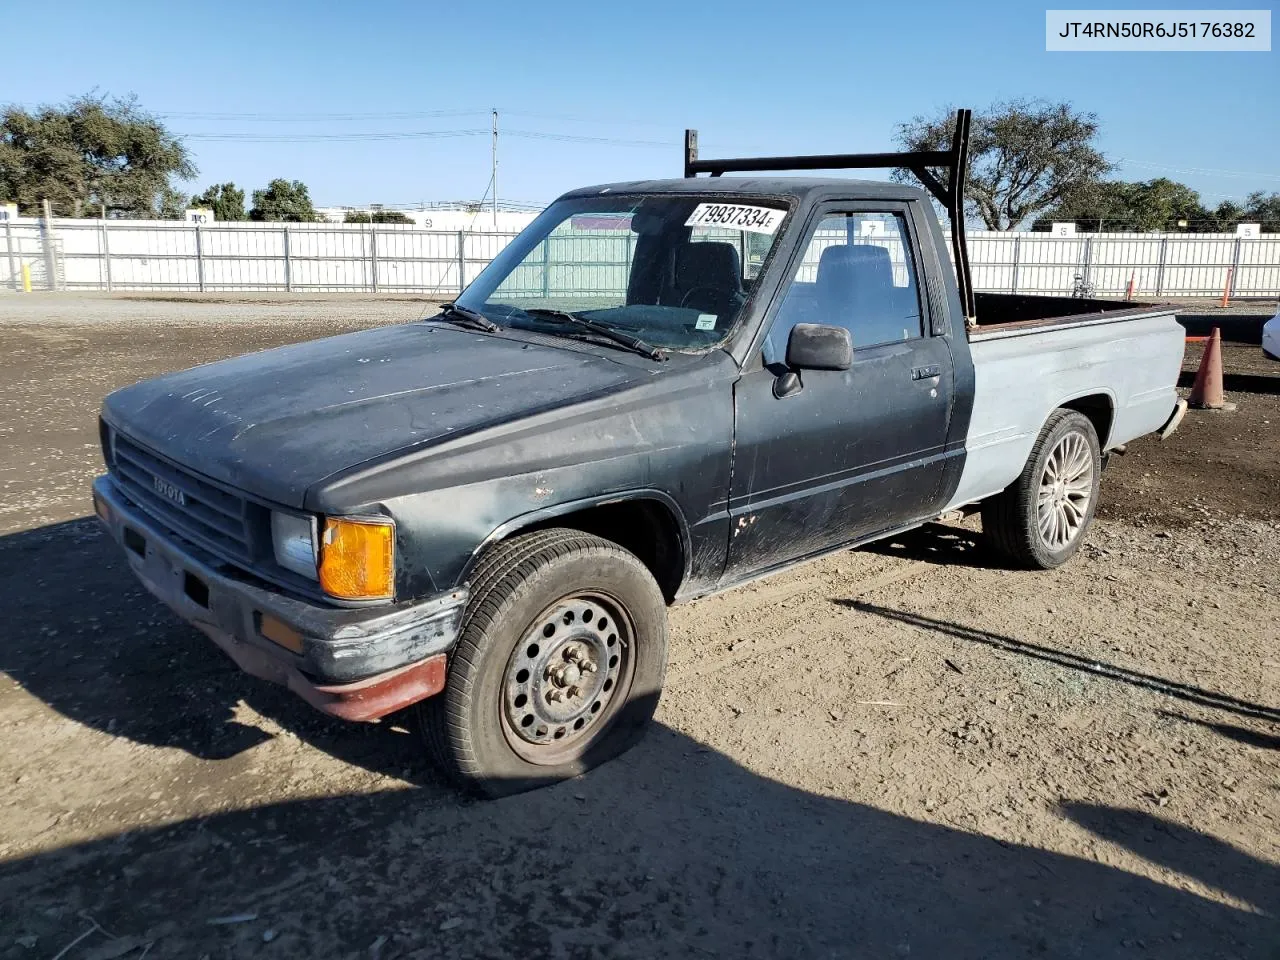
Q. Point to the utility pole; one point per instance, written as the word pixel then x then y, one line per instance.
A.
pixel 495 168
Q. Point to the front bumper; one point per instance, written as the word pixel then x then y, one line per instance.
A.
pixel 357 664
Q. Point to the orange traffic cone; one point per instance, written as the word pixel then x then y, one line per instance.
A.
pixel 1206 392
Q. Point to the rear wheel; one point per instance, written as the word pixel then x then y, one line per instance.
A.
pixel 559 665
pixel 1040 520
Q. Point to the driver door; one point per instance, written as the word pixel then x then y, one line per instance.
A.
pixel 853 452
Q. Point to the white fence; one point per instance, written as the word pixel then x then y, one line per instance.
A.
pixel 1158 265
pixel 167 255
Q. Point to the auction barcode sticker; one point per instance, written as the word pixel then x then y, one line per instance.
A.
pixel 736 216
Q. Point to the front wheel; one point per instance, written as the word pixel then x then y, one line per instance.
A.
pixel 1040 520
pixel 559 665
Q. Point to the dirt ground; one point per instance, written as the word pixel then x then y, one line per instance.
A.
pixel 900 751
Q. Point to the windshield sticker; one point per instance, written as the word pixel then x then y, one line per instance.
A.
pixel 706 321
pixel 736 216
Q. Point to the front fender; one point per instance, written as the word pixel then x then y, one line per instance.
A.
pixel 540 516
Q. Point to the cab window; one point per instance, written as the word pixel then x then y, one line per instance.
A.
pixel 857 272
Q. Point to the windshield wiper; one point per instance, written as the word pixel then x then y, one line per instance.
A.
pixel 465 316
pixel 602 330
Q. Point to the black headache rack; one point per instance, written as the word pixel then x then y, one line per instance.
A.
pixel 950 194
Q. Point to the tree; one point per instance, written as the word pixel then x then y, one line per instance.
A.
pixel 1263 208
pixel 1159 205
pixel 90 153
pixel 1025 156
pixel 1152 205
pixel 226 200
pixel 378 216
pixel 1258 207
pixel 1222 219
pixel 172 205
pixel 284 200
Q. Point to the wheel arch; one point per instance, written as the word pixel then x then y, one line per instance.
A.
pixel 646 522
pixel 1099 406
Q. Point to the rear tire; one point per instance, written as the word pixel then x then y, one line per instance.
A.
pixel 558 668
pixel 1039 521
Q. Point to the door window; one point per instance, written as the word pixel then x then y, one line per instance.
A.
pixel 857 272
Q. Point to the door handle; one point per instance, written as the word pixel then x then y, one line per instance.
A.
pixel 926 373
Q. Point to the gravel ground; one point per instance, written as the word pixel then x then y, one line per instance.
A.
pixel 892 752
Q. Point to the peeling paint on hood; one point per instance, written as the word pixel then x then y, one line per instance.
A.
pixel 274 423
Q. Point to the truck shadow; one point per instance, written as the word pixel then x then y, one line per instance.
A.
pixel 1249 737
pixel 87 639
pixel 937 543
pixel 1182 850
pixel 675 850
pixel 1088 665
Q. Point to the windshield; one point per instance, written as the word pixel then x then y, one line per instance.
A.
pixel 672 271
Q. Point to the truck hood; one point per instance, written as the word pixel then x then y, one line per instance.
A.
pixel 276 422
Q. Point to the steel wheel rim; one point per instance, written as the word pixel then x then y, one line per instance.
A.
pixel 1066 490
pixel 567 677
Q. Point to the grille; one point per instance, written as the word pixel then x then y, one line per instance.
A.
pixel 184 503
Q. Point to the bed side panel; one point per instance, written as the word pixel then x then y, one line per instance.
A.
pixel 1021 377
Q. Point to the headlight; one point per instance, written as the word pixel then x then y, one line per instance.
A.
pixel 357 559
pixel 292 539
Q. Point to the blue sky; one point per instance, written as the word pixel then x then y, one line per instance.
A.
pixel 801 77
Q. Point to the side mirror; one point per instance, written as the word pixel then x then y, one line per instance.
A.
pixel 817 346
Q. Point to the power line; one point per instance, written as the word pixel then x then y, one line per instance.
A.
pixel 291 117
pixel 508 206
pixel 319 117
pixel 254 137
pixel 529 134
pixel 262 117
pixel 602 121
pixel 576 138
pixel 1211 171
pixel 250 137
pixel 385 135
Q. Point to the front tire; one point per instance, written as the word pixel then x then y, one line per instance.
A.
pixel 1040 520
pixel 559 665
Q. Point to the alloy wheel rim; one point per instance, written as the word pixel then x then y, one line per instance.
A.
pixel 1066 490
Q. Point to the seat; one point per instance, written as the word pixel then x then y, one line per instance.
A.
pixel 855 289
pixel 708 278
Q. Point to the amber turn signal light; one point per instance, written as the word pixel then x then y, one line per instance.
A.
pixel 357 559
pixel 277 631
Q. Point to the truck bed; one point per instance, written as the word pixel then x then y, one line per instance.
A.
pixel 1118 366
pixel 1024 310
